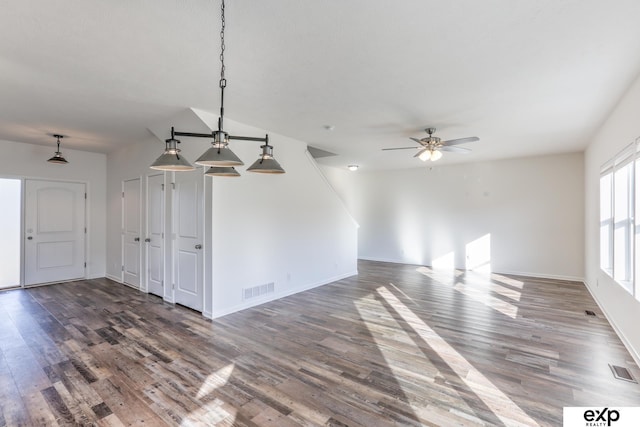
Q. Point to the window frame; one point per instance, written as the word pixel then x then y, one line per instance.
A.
pixel 628 158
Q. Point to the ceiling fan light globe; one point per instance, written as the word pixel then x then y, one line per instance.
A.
pixel 425 155
pixel 436 155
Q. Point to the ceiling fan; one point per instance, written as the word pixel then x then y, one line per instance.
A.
pixel 431 147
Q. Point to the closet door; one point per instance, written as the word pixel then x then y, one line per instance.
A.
pixel 188 213
pixel 131 232
pixel 155 234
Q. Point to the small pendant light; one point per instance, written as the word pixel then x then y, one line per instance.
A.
pixel 171 160
pixel 57 157
pixel 219 154
pixel 266 163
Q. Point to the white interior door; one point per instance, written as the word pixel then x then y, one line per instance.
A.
pixel 131 232
pixel 54 231
pixel 188 211
pixel 155 234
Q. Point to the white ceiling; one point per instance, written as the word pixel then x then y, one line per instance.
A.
pixel 527 77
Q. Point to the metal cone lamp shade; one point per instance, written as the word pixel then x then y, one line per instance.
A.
pixel 266 163
pixel 171 160
pixel 57 157
pixel 219 154
pixel 222 171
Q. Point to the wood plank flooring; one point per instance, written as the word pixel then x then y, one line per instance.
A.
pixel 395 345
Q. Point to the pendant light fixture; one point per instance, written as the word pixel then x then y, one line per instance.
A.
pixel 266 163
pixel 171 160
pixel 219 157
pixel 57 157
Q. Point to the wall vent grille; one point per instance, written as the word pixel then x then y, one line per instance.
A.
pixel 590 313
pixel 621 373
pixel 256 291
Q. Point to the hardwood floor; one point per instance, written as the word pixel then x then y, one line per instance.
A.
pixel 395 345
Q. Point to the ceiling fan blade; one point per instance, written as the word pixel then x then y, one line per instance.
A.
pixel 461 140
pixel 416 140
pixel 455 149
pixel 400 148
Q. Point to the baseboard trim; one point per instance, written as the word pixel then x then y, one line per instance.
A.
pixel 219 313
pixel 114 278
pixel 632 351
pixel 542 276
pixel 389 260
pixel 514 273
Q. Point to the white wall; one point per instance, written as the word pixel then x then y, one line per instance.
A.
pixel 619 130
pixel 288 229
pixel 30 161
pixel 532 208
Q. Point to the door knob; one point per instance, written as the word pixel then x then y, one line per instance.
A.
pixel 137 239
pixel 198 246
pixel 29 238
pixel 147 240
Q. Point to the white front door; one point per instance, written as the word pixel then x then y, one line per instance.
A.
pixel 54 231
pixel 155 234
pixel 188 212
pixel 131 232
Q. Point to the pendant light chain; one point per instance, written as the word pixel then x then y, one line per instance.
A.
pixel 223 81
pixel 220 157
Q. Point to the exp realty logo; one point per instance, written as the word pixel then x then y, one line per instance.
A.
pixel 601 417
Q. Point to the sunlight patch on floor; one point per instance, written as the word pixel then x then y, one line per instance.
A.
pixel 507 280
pixel 499 403
pixel 442 275
pixel 214 411
pixel 215 380
pixel 484 297
pixel 210 414
pixel 476 285
pixel 382 328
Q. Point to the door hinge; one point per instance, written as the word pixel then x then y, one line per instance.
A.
pixel 123 194
pixel 85 230
pixel 173 185
pixel 85 265
pixel 123 268
pixel 173 286
pixel 162 185
pixel 85 196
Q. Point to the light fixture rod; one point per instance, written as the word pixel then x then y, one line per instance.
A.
pixel 193 134
pixel 249 138
pixel 211 135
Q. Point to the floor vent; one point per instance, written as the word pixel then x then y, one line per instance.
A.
pixel 621 373
pixel 590 313
pixel 256 291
